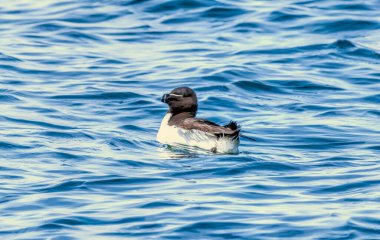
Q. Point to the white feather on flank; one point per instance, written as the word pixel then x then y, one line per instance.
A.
pixel 174 135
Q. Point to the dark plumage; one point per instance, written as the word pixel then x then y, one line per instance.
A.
pixel 183 105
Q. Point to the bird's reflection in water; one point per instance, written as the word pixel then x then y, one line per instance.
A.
pixel 179 151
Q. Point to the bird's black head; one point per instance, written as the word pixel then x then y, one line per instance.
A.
pixel 182 99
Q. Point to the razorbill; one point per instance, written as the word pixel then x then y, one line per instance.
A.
pixel 180 125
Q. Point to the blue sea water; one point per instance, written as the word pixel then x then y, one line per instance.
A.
pixel 80 83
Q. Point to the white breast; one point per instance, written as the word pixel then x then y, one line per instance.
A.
pixel 174 135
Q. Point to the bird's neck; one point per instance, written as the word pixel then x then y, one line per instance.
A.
pixel 178 117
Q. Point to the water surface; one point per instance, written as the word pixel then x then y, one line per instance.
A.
pixel 79 99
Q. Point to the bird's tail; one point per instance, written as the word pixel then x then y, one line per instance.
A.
pixel 236 127
pixel 232 125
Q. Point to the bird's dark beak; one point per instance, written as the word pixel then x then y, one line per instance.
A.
pixel 164 98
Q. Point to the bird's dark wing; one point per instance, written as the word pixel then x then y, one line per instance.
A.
pixel 230 130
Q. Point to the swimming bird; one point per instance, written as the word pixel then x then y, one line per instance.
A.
pixel 180 125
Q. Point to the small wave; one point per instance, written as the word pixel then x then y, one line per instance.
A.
pixel 8 58
pixel 257 86
pixel 124 181
pixel 90 18
pixel 79 220
pixel 100 96
pixel 109 62
pixel 178 20
pixel 175 5
pixel 372 98
pixel 26 70
pixel 49 27
pixel 159 204
pixel 192 50
pixel 374 112
pixel 222 12
pixel 68 185
pixel 66 134
pixel 267 166
pixel 7 98
pixel 134 128
pixel 305 85
pixel 280 16
pixel 250 195
pixel 62 201
pixel 248 27
pixel 65 156
pixel 343 44
pixel 237 169
pixel 347 187
pixel 289 51
pixel 75 35
pixel 132 2
pixel 9 146
pixel 364 53
pixel 319 143
pixel 353 7
pixel 331 114
pixel 345 25
pixel 344 48
pixel 214 88
pixel 213 226
pixel 349 49
pixel 37 123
